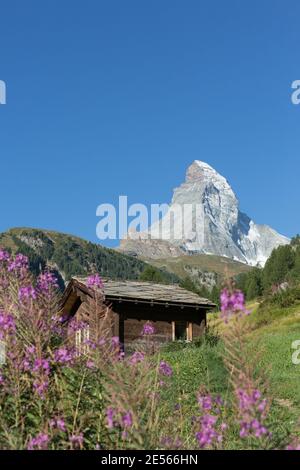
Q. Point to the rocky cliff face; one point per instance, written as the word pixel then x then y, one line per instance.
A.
pixel 217 225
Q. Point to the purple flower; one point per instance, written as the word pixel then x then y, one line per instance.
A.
pixel 136 357
pixel 206 402
pixel 41 365
pixel 46 281
pixel 211 429
pixel 94 282
pixel 29 358
pixel 31 349
pixel 4 255
pixel 7 324
pixel 19 264
pixel 232 303
pixel 40 370
pixel 127 420
pixel 41 386
pixel 165 368
pixel 294 445
pixel 110 414
pixel 26 293
pixel 75 325
pixel 206 437
pixel 148 329
pixel 117 419
pixel 63 355
pixel 252 410
pixel 58 423
pixel 171 443
pixel 90 364
pixel 115 342
pixel 40 442
pixel 25 364
pixel 76 440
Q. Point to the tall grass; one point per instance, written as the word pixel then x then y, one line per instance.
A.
pixel 209 395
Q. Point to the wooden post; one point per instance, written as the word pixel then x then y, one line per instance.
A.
pixel 189 331
pixel 173 331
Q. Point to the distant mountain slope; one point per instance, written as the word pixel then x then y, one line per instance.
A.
pixel 204 270
pixel 69 255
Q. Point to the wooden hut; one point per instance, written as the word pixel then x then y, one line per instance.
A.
pixel 174 312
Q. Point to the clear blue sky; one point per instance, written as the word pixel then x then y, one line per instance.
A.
pixel 119 97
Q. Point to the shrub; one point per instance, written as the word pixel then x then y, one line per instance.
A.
pixel 286 298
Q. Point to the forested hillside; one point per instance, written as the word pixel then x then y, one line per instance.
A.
pixel 69 255
pixel 280 276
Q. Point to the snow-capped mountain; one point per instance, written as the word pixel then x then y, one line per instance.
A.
pixel 217 226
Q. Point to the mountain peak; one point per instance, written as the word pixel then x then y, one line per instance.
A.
pixel 201 171
pixel 222 230
pixel 198 170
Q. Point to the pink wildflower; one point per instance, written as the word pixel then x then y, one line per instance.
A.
pixel 136 357
pixel 294 445
pixel 171 443
pixel 40 442
pixel 7 324
pixel 211 426
pixel 75 325
pixel 58 423
pixel 127 420
pixel 252 409
pixel 165 368
pixel 110 414
pixel 232 303
pixel 4 256
pixel 40 386
pixel 63 355
pixel 19 264
pixel 148 329
pixel 26 293
pixel 76 440
pixel 46 281
pixel 94 282
pixel 41 365
pixel 117 419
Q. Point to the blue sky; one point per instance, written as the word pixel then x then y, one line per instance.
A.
pixel 112 97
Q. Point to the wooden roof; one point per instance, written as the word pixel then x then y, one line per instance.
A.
pixel 137 291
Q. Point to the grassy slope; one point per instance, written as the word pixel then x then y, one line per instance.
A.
pixel 198 366
pixel 193 367
pixel 275 340
pixel 272 332
pixel 209 263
